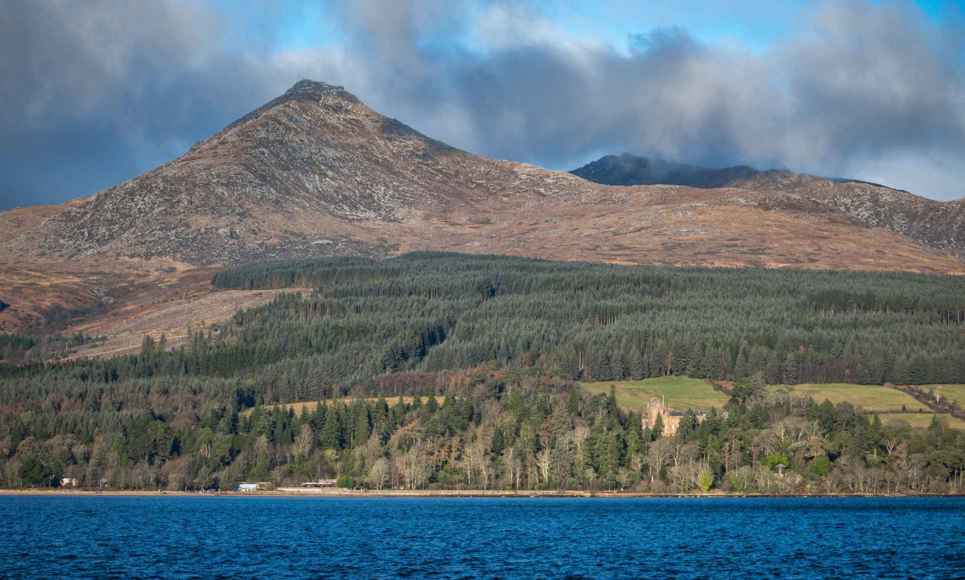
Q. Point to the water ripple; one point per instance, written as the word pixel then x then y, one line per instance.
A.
pixel 463 538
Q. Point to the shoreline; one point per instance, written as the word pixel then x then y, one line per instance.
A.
pixel 285 492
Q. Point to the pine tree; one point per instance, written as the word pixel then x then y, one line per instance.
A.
pixel 362 428
pixel 657 429
pixel 330 435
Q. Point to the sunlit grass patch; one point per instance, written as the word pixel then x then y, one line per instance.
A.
pixel 679 392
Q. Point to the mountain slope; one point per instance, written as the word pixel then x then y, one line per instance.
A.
pixel 940 225
pixel 316 172
pixel 937 224
pixel 280 181
pixel 292 157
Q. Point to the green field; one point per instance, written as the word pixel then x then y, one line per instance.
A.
pixel 955 393
pixel 872 398
pixel 680 393
pixel 687 393
pixel 921 420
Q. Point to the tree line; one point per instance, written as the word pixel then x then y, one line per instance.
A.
pixel 495 430
pixel 505 340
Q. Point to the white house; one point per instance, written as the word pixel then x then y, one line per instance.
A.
pixel 256 486
pixel 320 483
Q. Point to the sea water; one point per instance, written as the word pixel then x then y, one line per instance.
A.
pixel 463 537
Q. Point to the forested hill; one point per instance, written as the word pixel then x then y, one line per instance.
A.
pixel 504 339
pixel 593 321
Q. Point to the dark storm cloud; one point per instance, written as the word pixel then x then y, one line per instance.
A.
pixel 96 92
pixel 860 89
pixel 537 97
pixel 100 91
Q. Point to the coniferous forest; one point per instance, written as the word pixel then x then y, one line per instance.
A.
pixel 503 343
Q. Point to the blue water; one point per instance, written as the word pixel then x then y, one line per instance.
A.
pixel 525 538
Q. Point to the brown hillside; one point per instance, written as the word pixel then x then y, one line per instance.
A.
pixel 939 225
pixel 936 224
pixel 318 173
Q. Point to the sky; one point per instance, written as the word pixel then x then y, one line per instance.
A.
pixel 100 91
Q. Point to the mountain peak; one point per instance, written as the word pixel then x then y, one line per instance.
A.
pixel 305 90
pixel 309 89
pixel 628 169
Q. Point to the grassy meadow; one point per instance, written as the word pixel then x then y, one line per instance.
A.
pixel 683 393
pixel 679 392
pixel 922 420
pixel 871 398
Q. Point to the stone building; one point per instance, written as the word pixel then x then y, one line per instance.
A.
pixel 669 417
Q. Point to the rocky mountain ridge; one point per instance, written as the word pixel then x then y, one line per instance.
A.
pixel 937 224
pixel 317 172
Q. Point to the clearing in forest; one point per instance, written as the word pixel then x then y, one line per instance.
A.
pixel 871 398
pixel 309 406
pixel 921 420
pixel 680 393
